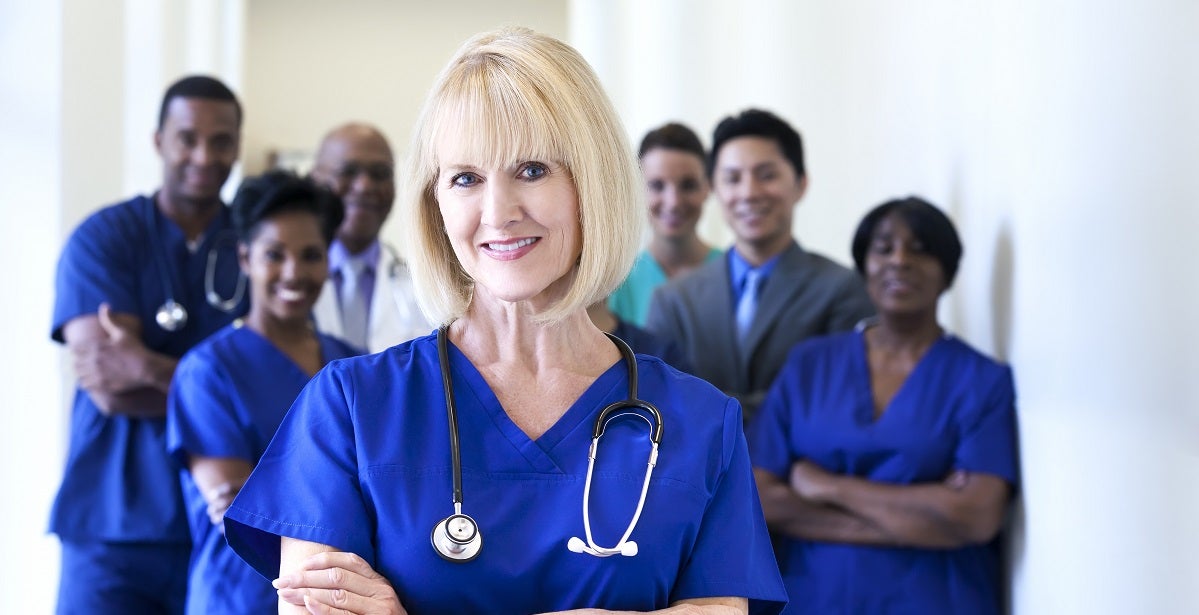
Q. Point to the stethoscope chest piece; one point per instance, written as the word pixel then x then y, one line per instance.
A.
pixel 457 538
pixel 171 315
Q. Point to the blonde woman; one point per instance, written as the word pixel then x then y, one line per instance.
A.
pixel 460 472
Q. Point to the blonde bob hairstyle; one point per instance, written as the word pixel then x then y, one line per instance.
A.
pixel 517 95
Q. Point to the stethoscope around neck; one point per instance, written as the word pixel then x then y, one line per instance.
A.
pixel 457 538
pixel 171 315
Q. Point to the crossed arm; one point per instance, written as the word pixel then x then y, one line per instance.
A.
pixel 318 579
pixel 964 509
pixel 119 373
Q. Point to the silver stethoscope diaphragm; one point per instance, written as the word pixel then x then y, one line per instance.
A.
pixel 457 538
pixel 171 316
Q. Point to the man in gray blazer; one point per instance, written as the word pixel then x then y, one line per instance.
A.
pixel 737 317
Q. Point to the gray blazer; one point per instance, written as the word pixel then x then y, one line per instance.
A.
pixel 806 295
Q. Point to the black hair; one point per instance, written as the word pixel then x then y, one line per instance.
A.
pixel 197 86
pixel 275 192
pixel 672 136
pixel 759 123
pixel 927 223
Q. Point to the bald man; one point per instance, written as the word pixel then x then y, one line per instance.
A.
pixel 368 300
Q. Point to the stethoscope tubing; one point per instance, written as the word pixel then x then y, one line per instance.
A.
pixel 461 551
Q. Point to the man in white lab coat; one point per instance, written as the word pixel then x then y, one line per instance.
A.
pixel 368 300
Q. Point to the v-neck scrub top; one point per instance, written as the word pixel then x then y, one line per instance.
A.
pixel 119 484
pixel 955 411
pixel 362 463
pixel 228 396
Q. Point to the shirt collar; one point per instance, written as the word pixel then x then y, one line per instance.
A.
pixel 739 268
pixel 339 255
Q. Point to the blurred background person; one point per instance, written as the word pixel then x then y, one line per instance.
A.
pixel 368 300
pixel 138 284
pixel 231 391
pixel 737 317
pixel 886 457
pixel 676 187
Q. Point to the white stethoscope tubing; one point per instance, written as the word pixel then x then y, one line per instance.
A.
pixel 624 546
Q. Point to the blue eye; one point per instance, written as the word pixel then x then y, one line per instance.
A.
pixel 464 180
pixel 534 170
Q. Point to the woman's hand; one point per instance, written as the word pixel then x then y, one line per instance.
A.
pixel 338 583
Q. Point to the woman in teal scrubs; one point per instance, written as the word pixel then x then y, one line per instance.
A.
pixel 676 187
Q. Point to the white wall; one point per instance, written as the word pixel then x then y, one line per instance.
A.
pixel 1063 138
pixel 32 423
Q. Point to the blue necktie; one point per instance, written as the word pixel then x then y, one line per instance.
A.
pixel 747 305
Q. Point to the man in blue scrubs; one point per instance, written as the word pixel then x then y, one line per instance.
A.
pixel 138 284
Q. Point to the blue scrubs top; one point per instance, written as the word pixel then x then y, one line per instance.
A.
pixel 228 396
pixel 120 485
pixel 955 411
pixel 644 342
pixel 362 463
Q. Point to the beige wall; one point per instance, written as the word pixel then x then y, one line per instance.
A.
pixel 310 64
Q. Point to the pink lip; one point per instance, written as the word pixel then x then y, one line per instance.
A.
pixel 509 249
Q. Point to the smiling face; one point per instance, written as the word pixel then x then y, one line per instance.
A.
pixel 514 227
pixel 198 143
pixel 286 262
pixel 902 278
pixel 676 188
pixel 758 189
pixel 356 163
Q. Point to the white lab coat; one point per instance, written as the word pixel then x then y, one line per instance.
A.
pixel 394 315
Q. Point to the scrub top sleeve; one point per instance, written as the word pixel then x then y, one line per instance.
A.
pixel 732 555
pixel 769 433
pixel 96 266
pixel 988 431
pixel 306 485
pixel 202 418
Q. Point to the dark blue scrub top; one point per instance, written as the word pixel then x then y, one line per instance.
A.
pixel 119 484
pixel 227 398
pixel 644 342
pixel 956 411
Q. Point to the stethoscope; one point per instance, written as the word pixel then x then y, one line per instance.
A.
pixel 457 539
pixel 171 315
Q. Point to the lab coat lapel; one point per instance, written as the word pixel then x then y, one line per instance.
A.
pixel 326 311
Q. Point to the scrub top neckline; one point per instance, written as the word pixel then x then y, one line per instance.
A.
pixel 865 406
pixel 295 367
pixel 468 379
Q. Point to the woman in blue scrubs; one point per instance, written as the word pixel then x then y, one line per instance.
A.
pixel 886 457
pixel 231 391
pixel 522 208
